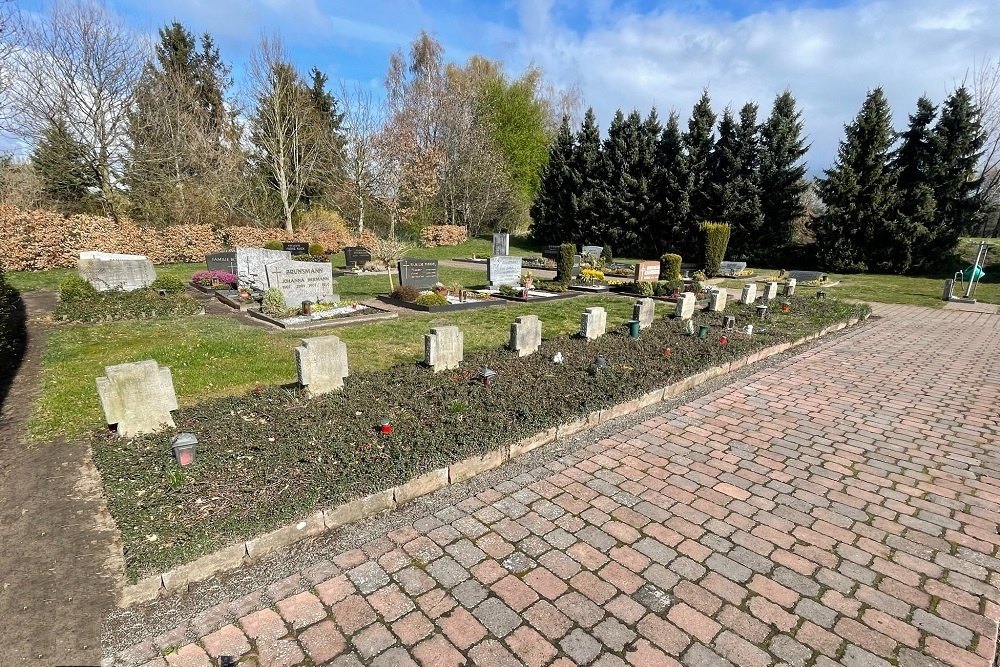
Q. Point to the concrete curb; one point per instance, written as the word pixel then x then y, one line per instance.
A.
pixel 229 558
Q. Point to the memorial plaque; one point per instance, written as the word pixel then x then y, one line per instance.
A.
pixel 593 250
pixel 501 244
pixel 222 261
pixel 108 271
pixel 504 270
pixel 647 272
pixel 732 268
pixel 296 247
pixel 805 276
pixel 419 273
pixel 302 281
pixel 251 263
pixel 356 256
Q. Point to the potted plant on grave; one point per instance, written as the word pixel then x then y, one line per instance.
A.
pixel 528 281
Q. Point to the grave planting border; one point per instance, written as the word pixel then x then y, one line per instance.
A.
pixel 329 322
pixel 466 305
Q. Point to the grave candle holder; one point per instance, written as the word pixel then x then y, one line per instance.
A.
pixel 702 330
pixel 384 427
pixel 689 327
pixel 184 446
pixel 486 375
pixel 786 307
pixel 748 329
pixel 633 329
pixel 307 307
pixel 667 352
pixel 761 312
pixel 729 322
pixel 820 294
pixel 723 340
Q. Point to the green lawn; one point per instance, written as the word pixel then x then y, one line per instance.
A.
pixel 212 355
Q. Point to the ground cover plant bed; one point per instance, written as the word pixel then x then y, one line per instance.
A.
pixel 80 302
pixel 535 295
pixel 273 455
pixel 453 305
pixel 339 316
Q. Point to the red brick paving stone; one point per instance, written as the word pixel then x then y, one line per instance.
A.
pixel 372 640
pixel 492 653
pixel 515 593
pixel 263 624
pixel 530 647
pixel 773 591
pixel 350 559
pixel 461 628
pixel 352 614
pixel 597 590
pixel 625 609
pixel 890 626
pixel 548 620
pixel 391 602
pixel 630 558
pixel 768 612
pixel 664 635
pixel 952 655
pixel 740 652
pixel 587 556
pixel 191 655
pixel 743 624
pixel 621 577
pixel 436 651
pixel 436 602
pixel 279 653
pixel 227 640
pixel 819 639
pixel 644 654
pixel 693 622
pixel 322 641
pixel 489 571
pixel 301 610
pixel 865 637
pixel 412 628
pixel 545 583
pixel 334 590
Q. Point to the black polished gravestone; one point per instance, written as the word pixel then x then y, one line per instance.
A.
pixel 419 273
pixel 222 261
pixel 296 247
pixel 356 256
pixel 550 252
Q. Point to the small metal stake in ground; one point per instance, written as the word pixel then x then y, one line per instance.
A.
pixel 633 329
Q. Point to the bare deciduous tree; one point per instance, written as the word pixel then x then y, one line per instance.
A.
pixel 986 90
pixel 362 124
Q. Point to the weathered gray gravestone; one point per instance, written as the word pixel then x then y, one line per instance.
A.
pixel 644 310
pixel 251 265
pixel 790 287
pixel 717 299
pixel 443 348
pixel 302 281
pixel 805 276
pixel 108 270
pixel 749 293
pixel 685 306
pixel 321 364
pixel 525 335
pixel 138 397
pixel 731 268
pixel 418 273
pixel 504 270
pixel 592 250
pixel 771 291
pixel 501 244
pixel 593 323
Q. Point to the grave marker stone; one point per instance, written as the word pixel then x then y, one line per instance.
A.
pixel 732 268
pixel 443 348
pixel 644 310
pixel 420 273
pixel 322 364
pixel 749 293
pixel 138 397
pixel 355 256
pixel 771 291
pixel 647 272
pixel 504 270
pixel 296 247
pixel 577 266
pixel 550 252
pixel 790 287
pixel 717 299
pixel 302 281
pixel 592 250
pixel 805 276
pixel 593 323
pixel 685 306
pixel 251 265
pixel 525 335
pixel 222 261
pixel 501 244
pixel 108 270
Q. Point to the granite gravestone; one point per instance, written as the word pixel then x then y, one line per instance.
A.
pixel 592 250
pixel 647 272
pixel 296 247
pixel 577 266
pixel 419 273
pixel 222 261
pixel 356 256
pixel 732 268
pixel 501 244
pixel 805 276
pixel 251 265
pixel 550 252
pixel 108 271
pixel 302 281
pixel 505 270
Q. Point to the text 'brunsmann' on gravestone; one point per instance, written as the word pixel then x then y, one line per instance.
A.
pixel 418 273
pixel 302 281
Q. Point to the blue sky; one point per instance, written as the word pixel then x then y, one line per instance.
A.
pixel 635 53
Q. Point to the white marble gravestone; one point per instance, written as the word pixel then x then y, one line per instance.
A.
pixel 593 323
pixel 685 306
pixel 749 293
pixel 644 310
pixel 717 299
pixel 302 281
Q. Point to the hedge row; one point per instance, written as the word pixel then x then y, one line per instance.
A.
pixel 13 333
pixel 272 456
pixel 437 235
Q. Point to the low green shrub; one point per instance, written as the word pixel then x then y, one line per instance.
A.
pixel 564 270
pixel 510 290
pixel 273 304
pixel 644 288
pixel 316 249
pixel 716 240
pixel 431 299
pixel 13 333
pixel 75 288
pixel 551 286
pixel 117 305
pixel 670 266
pixel 274 245
pixel 405 293
pixel 169 284
pixel 606 254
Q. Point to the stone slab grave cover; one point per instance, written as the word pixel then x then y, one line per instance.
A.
pixel 322 364
pixel 501 244
pixel 443 348
pixel 732 268
pixel 647 272
pixel 749 293
pixel 593 323
pixel 771 291
pixel 296 247
pixel 355 256
pixel 108 270
pixel 418 273
pixel 685 306
pixel 592 250
pixel 504 270
pixel 138 397
pixel 717 299
pixel 302 281
pixel 222 261
pixel 644 310
pixel 251 265
pixel 805 276
pixel 525 335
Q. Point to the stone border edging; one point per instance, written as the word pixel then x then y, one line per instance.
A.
pixel 321 521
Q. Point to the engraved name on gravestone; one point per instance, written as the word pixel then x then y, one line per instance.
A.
pixel 296 247
pixel 592 250
pixel 251 265
pixel 222 261
pixel 302 281
pixel 107 271
pixel 550 252
pixel 504 271
pixel 732 268
pixel 419 273
pixel 355 256
pixel 647 272
pixel 501 244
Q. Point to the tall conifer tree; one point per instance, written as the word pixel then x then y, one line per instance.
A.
pixel 671 207
pixel 588 165
pixel 554 211
pixel 914 163
pixel 698 143
pixel 782 173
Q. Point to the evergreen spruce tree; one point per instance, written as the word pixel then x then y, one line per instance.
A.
pixel 698 143
pixel 723 167
pixel 742 203
pixel 914 163
pixel 859 192
pixel 62 165
pixel 671 208
pixel 588 167
pixel 782 182
pixel 327 108
pixel 554 211
pixel 612 225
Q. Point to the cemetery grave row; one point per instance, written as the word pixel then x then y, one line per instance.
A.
pixel 274 455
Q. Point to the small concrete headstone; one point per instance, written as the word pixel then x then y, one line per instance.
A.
pixel 593 323
pixel 749 293
pixel 251 265
pixel 771 291
pixel 443 348
pixel 643 311
pixel 647 272
pixel 717 299
pixel 504 270
pixel 684 308
pixel 501 244
pixel 302 281
pixel 138 397
pixel 592 250
pixel 525 335
pixel 790 287
pixel 108 271
pixel 322 364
